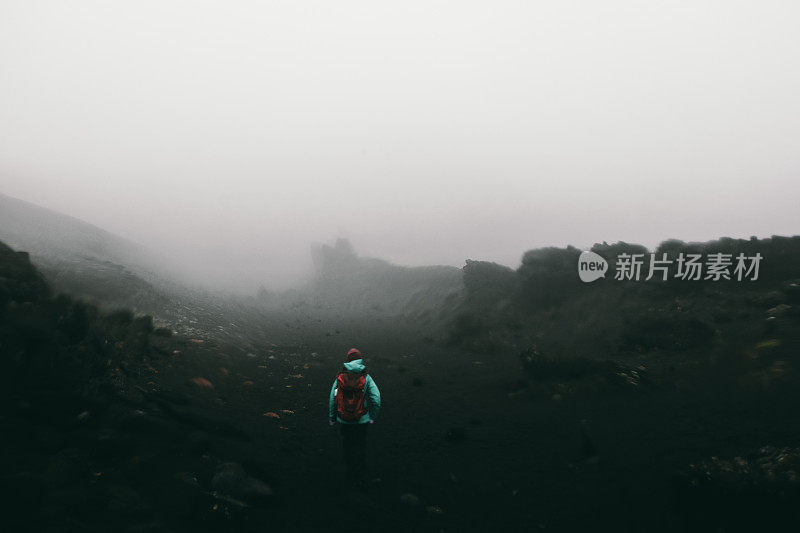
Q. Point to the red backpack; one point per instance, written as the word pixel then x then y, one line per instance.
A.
pixel 350 396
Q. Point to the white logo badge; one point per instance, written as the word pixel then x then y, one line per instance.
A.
pixel 591 266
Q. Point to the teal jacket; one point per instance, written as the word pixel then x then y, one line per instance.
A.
pixel 372 396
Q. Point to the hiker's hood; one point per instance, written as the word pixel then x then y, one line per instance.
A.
pixel 356 366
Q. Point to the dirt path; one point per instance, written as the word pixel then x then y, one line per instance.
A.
pixel 430 441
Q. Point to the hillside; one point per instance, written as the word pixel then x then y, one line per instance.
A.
pixel 82 259
pixel 56 236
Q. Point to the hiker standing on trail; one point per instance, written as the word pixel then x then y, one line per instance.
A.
pixel 355 402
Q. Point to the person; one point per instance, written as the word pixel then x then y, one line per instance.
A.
pixel 354 404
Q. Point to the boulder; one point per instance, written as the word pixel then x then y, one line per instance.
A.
pixel 231 481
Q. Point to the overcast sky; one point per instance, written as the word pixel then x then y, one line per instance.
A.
pixel 425 131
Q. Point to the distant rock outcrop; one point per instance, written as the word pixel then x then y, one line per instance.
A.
pixel 488 284
pixel 545 303
pixel 354 285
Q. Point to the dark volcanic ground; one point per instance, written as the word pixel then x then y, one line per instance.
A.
pixel 464 442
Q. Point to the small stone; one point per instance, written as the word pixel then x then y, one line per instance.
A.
pixel 409 499
pixel 203 383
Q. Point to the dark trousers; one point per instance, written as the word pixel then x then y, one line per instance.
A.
pixel 354 447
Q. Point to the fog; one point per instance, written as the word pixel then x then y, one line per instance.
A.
pixel 231 136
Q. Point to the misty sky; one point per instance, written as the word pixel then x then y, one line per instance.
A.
pixel 425 131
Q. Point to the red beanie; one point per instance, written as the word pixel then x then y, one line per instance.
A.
pixel 353 354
